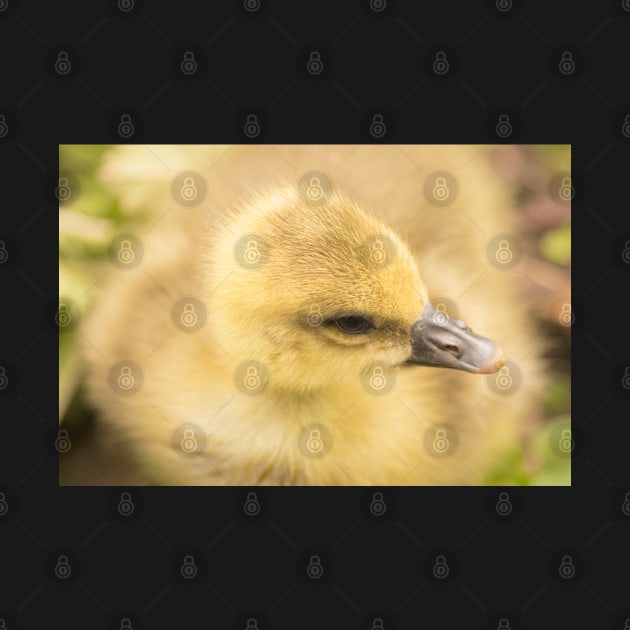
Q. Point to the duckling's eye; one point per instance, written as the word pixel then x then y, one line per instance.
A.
pixel 353 324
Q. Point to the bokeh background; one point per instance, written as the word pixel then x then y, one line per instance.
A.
pixel 92 213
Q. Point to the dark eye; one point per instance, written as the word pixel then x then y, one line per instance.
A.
pixel 353 324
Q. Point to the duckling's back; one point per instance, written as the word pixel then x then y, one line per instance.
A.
pixel 448 206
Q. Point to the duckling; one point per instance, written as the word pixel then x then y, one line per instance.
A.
pixel 316 355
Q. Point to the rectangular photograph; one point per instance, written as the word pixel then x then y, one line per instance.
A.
pixel 314 315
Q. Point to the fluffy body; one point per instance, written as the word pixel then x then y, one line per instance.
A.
pixel 315 264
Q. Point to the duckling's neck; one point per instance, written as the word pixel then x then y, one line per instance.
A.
pixel 300 399
pixel 321 405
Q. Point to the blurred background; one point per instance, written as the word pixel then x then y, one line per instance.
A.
pixel 92 213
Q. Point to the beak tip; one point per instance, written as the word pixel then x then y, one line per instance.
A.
pixel 495 363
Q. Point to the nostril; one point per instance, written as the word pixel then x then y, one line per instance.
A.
pixel 454 350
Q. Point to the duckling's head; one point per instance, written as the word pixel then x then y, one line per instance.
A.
pixel 320 292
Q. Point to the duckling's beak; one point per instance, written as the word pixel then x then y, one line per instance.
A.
pixel 441 341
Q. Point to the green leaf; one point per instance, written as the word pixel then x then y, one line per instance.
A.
pixel 555 245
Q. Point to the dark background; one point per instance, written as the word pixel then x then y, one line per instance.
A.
pixel 125 570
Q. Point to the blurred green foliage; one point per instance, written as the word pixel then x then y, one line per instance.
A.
pixel 89 219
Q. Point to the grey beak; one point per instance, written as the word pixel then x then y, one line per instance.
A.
pixel 441 341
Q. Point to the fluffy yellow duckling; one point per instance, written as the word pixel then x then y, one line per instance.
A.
pixel 275 337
